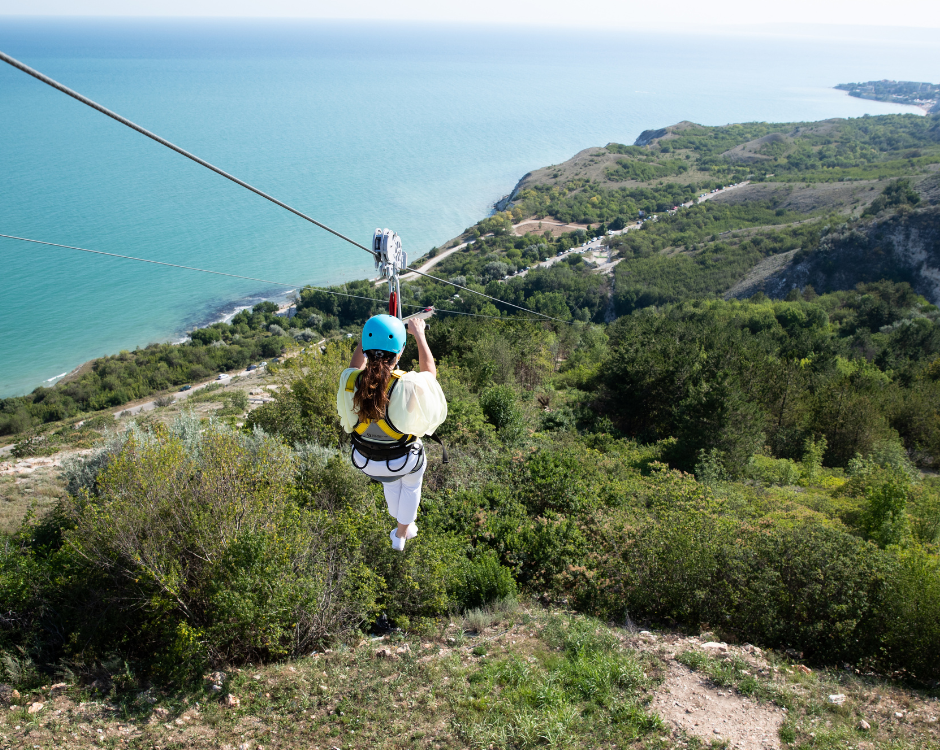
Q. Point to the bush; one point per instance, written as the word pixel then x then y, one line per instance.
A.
pixel 483 580
pixel 774 471
pixel 187 549
pixel 304 408
pixel 499 406
pixel 806 586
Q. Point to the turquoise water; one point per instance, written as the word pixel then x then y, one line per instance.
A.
pixel 417 128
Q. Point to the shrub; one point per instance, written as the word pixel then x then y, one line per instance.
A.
pixel 483 580
pixel 304 334
pixel 499 406
pixel 100 422
pixel 186 548
pixel 806 586
pixel 884 518
pixel 813 452
pixel 304 408
pixel 782 472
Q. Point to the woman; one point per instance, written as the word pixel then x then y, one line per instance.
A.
pixel 387 411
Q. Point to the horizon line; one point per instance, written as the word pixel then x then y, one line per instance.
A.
pixel 769 26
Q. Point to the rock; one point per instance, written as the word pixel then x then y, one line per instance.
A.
pixel 802 669
pixel 323 689
pixel 244 746
pixel 898 715
pixel 753 650
pixel 405 649
pixel 8 694
pixel 385 653
pixel 160 711
pixel 837 700
pixel 34 708
pixel 215 688
pixel 716 646
pixel 59 686
pixel 864 725
pixel 647 136
pixel 231 701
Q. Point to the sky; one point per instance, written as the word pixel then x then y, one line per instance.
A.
pixel 606 14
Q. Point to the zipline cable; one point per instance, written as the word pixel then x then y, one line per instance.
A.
pixel 188 268
pixel 495 299
pixel 163 142
pixel 237 276
pixel 475 315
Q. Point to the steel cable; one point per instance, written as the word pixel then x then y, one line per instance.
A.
pixel 163 142
pixel 188 268
pixel 495 299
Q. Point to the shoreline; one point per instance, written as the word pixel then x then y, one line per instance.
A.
pixel 223 314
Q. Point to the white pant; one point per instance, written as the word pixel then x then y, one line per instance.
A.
pixel 402 484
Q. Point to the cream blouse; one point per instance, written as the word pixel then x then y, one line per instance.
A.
pixel 417 405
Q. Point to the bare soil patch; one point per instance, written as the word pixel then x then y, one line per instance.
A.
pixel 690 703
pixel 832 196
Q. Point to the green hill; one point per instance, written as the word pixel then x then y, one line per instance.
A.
pixel 731 428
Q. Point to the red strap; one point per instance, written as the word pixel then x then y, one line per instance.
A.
pixel 393 304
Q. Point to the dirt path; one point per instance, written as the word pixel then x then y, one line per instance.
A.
pixel 689 702
pixel 556 227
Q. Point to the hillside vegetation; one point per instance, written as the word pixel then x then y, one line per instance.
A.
pixel 759 468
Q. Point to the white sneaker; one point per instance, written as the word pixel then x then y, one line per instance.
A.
pixel 412 531
pixel 398 543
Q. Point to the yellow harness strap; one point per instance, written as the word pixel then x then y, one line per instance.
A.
pixel 382 424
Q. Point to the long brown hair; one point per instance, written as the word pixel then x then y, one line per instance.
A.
pixel 370 399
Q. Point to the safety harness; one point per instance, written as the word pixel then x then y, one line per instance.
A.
pixel 387 443
pixel 380 440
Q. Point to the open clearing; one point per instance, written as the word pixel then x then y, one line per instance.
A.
pixel 509 677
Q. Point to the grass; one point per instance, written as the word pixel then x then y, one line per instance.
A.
pixel 38 491
pixel 504 677
pixel 539 680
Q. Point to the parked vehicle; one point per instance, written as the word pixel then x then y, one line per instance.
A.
pixel 186 388
pixel 251 367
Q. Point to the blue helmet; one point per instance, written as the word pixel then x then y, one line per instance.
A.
pixel 385 332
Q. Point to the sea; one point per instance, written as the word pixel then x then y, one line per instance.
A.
pixel 416 127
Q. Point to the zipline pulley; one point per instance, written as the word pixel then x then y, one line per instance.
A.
pixel 390 259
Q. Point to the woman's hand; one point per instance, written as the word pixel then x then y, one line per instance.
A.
pixel 416 327
pixel 358 360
